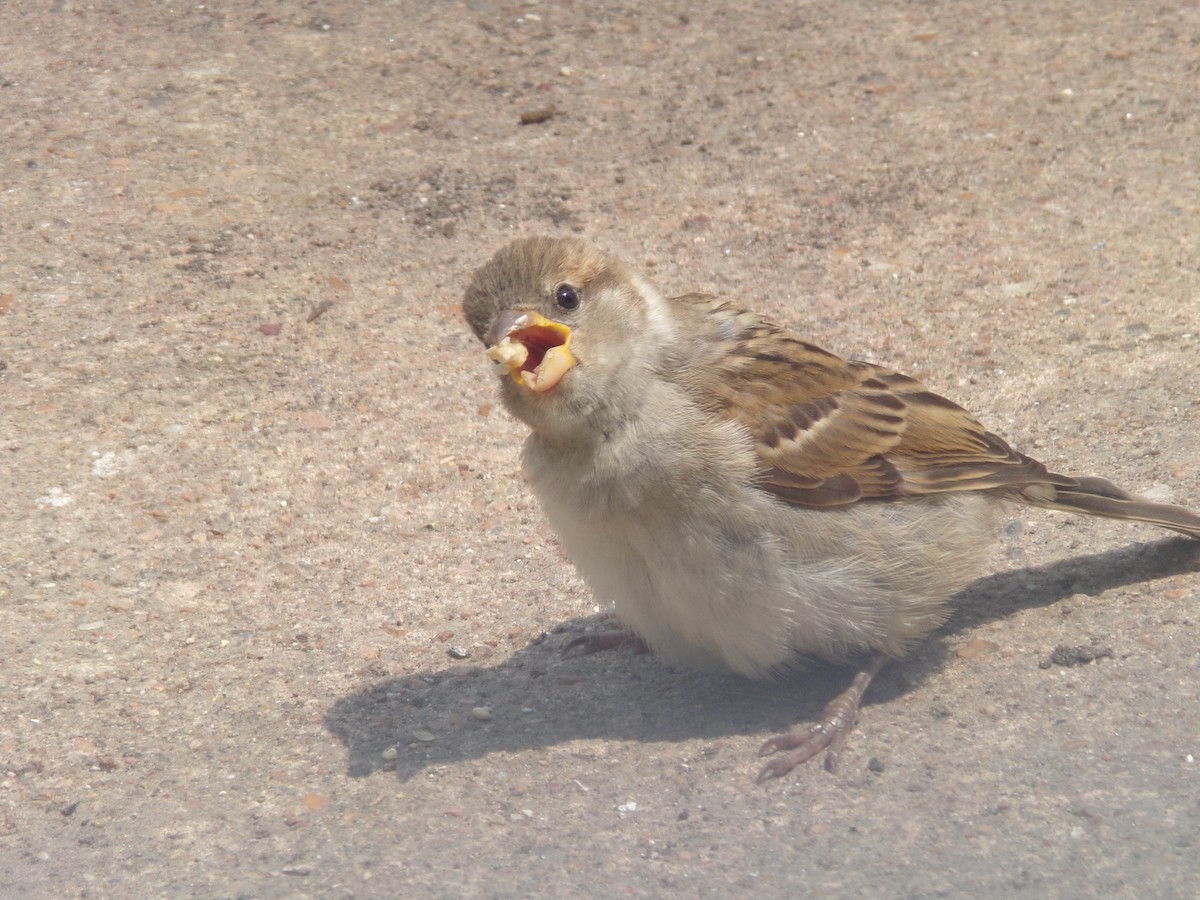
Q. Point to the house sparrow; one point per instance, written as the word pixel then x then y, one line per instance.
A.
pixel 743 499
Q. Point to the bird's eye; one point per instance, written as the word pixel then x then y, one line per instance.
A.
pixel 566 296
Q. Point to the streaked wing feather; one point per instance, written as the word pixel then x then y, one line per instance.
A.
pixel 830 432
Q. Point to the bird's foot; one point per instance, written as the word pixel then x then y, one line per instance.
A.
pixel 829 734
pixel 609 640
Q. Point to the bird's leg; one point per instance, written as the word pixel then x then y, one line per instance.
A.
pixel 828 734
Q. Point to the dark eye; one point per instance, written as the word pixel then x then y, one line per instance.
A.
pixel 566 297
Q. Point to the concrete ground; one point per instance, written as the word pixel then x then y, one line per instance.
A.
pixel 278 616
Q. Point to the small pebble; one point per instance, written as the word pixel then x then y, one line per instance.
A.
pixel 976 649
pixel 390 753
pixel 537 116
pixel 482 714
pixel 423 736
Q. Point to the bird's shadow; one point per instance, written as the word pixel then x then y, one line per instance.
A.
pixel 539 698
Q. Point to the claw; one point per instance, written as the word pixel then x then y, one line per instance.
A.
pixel 610 640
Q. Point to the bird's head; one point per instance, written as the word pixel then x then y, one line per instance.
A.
pixel 572 328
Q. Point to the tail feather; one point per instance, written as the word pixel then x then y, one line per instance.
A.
pixel 1100 497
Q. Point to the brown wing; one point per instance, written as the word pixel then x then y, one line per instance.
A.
pixel 831 431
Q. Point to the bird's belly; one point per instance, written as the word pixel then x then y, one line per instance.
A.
pixel 755 586
pixel 692 601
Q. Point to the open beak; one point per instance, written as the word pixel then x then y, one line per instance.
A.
pixel 533 348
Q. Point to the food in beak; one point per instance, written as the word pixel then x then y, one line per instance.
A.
pixel 533 348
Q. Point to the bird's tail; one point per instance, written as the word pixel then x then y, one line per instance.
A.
pixel 1100 497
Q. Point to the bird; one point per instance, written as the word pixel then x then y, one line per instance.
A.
pixel 742 499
